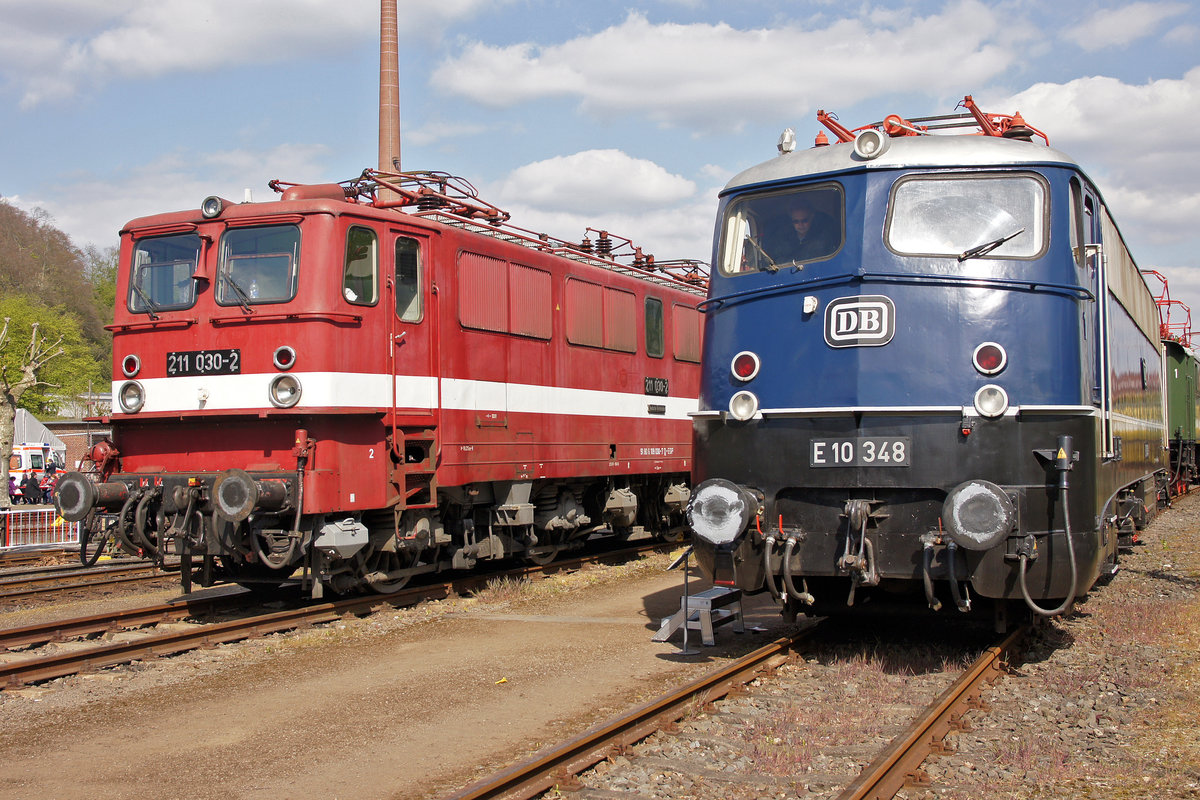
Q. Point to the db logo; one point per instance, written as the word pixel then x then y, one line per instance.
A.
pixel 867 321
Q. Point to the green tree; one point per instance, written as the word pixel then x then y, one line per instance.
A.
pixel 42 355
pixel 38 260
pixel 101 272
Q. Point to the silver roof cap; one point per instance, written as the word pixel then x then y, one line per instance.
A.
pixel 902 152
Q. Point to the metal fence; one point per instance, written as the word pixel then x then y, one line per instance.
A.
pixel 21 527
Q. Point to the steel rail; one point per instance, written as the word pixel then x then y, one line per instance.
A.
pixel 49 584
pixel 44 668
pixel 64 571
pixel 16 559
pixel 900 764
pixel 557 765
pixel 60 630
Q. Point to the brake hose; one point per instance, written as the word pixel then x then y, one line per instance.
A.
pixel 1070 598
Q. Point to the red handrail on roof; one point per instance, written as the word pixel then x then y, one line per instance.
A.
pixel 1005 126
pixel 1177 330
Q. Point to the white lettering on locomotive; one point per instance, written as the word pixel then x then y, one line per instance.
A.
pixel 867 321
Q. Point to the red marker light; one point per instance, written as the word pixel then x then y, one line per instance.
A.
pixel 745 365
pixel 990 358
pixel 284 357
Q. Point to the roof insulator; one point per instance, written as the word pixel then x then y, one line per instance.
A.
pixel 1017 129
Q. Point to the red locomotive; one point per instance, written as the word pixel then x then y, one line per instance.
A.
pixel 360 382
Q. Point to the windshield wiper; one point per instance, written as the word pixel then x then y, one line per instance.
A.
pixel 773 267
pixel 242 298
pixel 151 308
pixel 987 247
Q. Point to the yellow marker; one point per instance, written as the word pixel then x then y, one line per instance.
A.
pixel 1061 453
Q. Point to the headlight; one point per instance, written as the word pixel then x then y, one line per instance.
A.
pixel 720 510
pixel 285 391
pixel 131 397
pixel 871 143
pixel 743 405
pixel 991 401
pixel 212 207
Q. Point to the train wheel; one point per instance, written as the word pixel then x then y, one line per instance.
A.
pixel 380 564
pixel 674 535
pixel 541 556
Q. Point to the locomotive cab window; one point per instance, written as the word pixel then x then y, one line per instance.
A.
pixel 655 338
pixel 763 233
pixel 360 278
pixel 161 275
pixel 969 216
pixel 258 265
pixel 408 280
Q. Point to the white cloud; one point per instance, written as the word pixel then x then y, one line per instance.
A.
pixel 681 231
pixel 634 198
pixel 97 206
pixel 435 132
pixel 595 180
pixel 55 48
pixel 1118 27
pixel 714 76
pixel 1137 134
pixel 1182 34
pixel 1135 142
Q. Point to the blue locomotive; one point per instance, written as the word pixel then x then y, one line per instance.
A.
pixel 931 368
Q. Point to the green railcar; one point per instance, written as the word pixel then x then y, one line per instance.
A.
pixel 1182 373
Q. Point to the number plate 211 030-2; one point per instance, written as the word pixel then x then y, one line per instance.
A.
pixel 861 451
pixel 204 362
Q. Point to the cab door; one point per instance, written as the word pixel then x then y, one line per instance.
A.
pixel 1095 355
pixel 413 361
pixel 412 347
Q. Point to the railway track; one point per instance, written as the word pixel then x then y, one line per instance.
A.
pixel 896 766
pixel 88 655
pixel 52 581
pixel 16 559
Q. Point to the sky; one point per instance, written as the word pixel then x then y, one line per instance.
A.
pixel 624 116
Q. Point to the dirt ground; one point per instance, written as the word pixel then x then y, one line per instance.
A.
pixel 402 704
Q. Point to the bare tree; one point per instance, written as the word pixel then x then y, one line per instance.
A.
pixel 20 377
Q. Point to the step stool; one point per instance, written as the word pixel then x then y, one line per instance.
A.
pixel 705 611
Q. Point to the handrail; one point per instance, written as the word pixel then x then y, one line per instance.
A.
pixel 331 316
pixel 900 277
pixel 152 324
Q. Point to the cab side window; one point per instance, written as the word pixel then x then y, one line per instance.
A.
pixel 408 280
pixel 654 328
pixel 360 278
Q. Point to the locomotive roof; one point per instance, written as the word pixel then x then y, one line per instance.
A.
pixel 935 151
pixel 685 275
